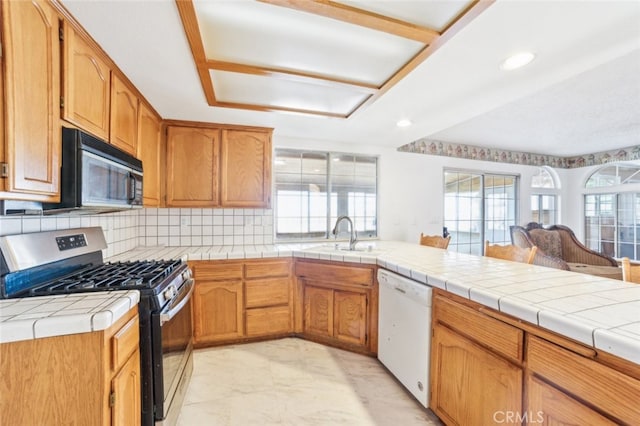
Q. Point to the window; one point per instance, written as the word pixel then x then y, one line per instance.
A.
pixel 479 207
pixel 544 203
pixel 612 219
pixel 543 209
pixel 313 188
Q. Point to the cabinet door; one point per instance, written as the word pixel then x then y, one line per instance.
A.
pixel 245 175
pixel 149 152
pixel 124 116
pixel 318 311
pixel 32 84
pixel 125 387
pixel 86 85
pixel 218 311
pixel 192 167
pixel 547 405
pixel 350 313
pixel 469 384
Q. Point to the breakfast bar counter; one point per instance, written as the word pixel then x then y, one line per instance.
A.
pixel 597 311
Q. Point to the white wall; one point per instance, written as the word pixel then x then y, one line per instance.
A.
pixel 411 187
pixel 410 202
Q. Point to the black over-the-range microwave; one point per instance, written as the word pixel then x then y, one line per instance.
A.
pixel 96 176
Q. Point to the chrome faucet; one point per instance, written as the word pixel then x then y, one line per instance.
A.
pixel 353 238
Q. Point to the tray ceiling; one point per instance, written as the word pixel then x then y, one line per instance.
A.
pixel 313 56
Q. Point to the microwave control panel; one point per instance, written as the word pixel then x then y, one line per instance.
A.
pixel 69 242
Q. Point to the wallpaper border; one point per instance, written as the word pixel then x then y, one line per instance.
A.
pixel 472 152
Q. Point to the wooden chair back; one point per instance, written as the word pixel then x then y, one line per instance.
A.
pixel 510 252
pixel 630 272
pixel 435 241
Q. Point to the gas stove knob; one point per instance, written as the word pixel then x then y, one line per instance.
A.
pixel 170 293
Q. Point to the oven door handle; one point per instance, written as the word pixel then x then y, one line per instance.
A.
pixel 178 304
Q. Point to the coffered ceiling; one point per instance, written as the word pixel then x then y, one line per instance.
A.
pixel 316 57
pixel 580 95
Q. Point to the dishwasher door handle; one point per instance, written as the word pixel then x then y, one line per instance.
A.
pixel 400 290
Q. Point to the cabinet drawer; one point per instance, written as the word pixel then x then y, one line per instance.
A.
pixel 263 321
pixel 612 392
pixel 124 342
pixel 498 336
pixel 268 268
pixel 335 273
pixel 267 292
pixel 213 271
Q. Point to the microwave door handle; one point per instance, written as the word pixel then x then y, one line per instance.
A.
pixel 132 187
pixel 178 304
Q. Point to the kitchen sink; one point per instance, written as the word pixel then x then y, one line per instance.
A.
pixel 362 248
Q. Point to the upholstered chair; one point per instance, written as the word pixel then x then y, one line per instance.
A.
pixel 559 248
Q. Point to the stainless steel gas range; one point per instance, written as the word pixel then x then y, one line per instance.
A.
pixel 70 261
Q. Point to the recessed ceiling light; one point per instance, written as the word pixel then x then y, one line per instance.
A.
pixel 518 60
pixel 404 123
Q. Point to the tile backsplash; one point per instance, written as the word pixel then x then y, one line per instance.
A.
pixel 197 227
pixel 158 227
pixel 120 229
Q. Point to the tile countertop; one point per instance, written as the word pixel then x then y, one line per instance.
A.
pixel 47 316
pixel 600 312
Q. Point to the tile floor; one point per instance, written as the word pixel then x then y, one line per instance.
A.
pixel 295 382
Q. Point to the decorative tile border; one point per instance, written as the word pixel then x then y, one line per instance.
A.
pixel 471 152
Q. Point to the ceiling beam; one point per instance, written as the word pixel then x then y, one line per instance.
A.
pixel 254 107
pixel 462 20
pixel 363 18
pixel 298 76
pixel 192 30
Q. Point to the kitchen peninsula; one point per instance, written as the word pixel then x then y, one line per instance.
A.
pixel 588 324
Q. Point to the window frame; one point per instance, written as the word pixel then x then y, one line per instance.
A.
pixel 617 191
pixel 330 219
pixel 483 205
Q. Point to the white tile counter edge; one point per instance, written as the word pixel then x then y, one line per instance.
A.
pixel 516 289
pixel 48 316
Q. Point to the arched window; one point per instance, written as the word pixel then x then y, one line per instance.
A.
pixel 612 218
pixel 543 179
pixel 616 174
pixel 544 201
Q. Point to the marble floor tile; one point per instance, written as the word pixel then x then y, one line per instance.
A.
pixel 295 382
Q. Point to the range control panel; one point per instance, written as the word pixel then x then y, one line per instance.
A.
pixel 68 242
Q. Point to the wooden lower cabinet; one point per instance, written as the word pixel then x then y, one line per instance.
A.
pixel 78 379
pixel 218 312
pixel 126 390
pixel 336 314
pixel 238 300
pixel 567 388
pixel 481 373
pixel 471 385
pixel 338 304
pixel 547 405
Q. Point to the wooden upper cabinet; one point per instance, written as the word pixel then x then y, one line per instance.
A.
pixel 124 116
pixel 32 95
pixel 245 169
pixel 86 85
pixel 149 152
pixel 192 166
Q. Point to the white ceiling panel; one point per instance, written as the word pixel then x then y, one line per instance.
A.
pixel 264 35
pixel 434 14
pixel 266 91
pixel 457 85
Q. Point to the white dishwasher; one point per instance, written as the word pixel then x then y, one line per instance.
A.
pixel 404 331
